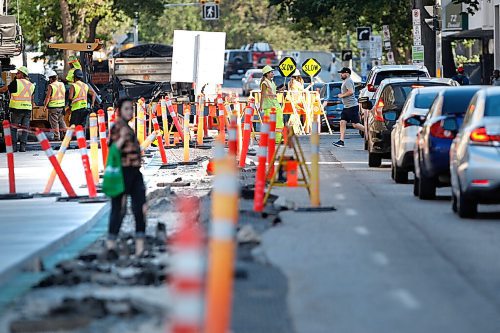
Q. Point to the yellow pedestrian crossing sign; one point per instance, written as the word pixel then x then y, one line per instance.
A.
pixel 287 66
pixel 311 67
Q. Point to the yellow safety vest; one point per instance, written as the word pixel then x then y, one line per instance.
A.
pixel 80 98
pixel 58 95
pixel 21 99
pixel 268 101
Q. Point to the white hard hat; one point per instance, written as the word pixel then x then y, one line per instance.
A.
pixel 50 73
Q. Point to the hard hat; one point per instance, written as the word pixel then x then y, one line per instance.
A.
pixel 50 73
pixel 78 74
pixel 267 69
pixel 72 59
pixel 296 73
pixel 460 69
pixel 23 70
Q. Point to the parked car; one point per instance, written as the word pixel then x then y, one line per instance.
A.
pixel 332 103
pixel 251 80
pixel 262 54
pixel 237 62
pixel 432 148
pixel 475 154
pixel 379 73
pixel 405 131
pixel 389 101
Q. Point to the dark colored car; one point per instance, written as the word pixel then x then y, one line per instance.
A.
pixel 237 62
pixel 332 103
pixel 432 151
pixel 389 101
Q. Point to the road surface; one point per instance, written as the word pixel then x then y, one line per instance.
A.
pixel 385 261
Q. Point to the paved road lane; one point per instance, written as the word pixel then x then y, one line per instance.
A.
pixel 385 261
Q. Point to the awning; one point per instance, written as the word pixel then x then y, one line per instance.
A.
pixel 471 34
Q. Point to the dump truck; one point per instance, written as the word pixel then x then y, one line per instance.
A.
pixel 145 71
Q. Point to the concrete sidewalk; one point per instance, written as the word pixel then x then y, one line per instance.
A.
pixel 32 228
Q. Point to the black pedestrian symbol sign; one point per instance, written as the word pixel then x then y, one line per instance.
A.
pixel 211 11
pixel 346 55
pixel 287 66
pixel 311 67
pixel 363 33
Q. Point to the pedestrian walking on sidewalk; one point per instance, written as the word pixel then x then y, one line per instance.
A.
pixel 54 103
pixel 20 105
pixel 269 99
pixel 350 113
pixel 125 139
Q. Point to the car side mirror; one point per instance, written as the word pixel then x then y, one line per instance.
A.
pixel 391 115
pixel 416 120
pixel 450 124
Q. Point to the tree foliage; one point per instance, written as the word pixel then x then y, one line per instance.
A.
pixel 336 17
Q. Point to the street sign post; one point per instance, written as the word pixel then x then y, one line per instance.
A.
pixel 363 33
pixel 417 31
pixel 376 47
pixel 417 54
pixel 311 67
pixel 210 11
pixel 287 66
pixel 346 55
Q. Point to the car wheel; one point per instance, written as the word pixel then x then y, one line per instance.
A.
pixel 416 186
pixel 400 175
pixel 374 160
pixel 427 188
pixel 466 207
pixel 454 203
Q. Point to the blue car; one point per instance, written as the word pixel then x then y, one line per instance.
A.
pixel 432 151
pixel 332 103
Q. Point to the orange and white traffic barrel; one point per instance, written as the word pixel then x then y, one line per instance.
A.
pixel 260 179
pixel 101 120
pixel 82 145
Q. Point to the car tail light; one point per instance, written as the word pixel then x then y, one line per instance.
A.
pixel 480 136
pixel 438 131
pixel 417 86
pixel 371 88
pixel 378 110
pixel 480 182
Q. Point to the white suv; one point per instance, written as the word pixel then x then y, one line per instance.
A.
pixel 379 73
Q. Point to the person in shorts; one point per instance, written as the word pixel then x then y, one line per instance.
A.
pixel 350 113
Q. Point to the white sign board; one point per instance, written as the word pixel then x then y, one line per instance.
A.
pixel 386 34
pixel 417 34
pixel 390 58
pixel 375 47
pixel 198 57
pixel 415 14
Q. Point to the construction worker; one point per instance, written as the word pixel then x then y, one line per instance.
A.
pixel 296 82
pixel 74 64
pixel 54 103
pixel 20 105
pixel 78 97
pixel 269 99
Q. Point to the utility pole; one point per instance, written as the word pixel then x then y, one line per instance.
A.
pixel 136 28
pixel 428 36
pixel 437 28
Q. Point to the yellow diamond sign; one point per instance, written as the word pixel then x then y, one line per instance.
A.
pixel 287 66
pixel 311 67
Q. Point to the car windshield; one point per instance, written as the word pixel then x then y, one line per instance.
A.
pixel 492 108
pixel 457 103
pixel 385 75
pixel 239 56
pixel 424 100
pixel 256 75
pixel 334 90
